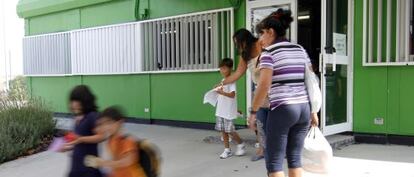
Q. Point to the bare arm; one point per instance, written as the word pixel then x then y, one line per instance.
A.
pixel 127 160
pixel 262 90
pixel 97 138
pixel 93 139
pixel 241 69
pixel 230 95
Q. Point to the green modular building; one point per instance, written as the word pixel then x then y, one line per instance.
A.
pixel 157 58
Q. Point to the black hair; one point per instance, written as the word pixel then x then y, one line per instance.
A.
pixel 115 113
pixel 244 42
pixel 83 94
pixel 226 62
pixel 279 21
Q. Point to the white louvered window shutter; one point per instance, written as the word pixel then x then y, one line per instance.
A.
pixel 185 43
pixel 379 19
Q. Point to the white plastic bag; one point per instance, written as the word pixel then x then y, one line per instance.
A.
pixel 312 85
pixel 317 152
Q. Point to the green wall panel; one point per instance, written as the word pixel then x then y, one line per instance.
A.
pixel 29 86
pixel 30 8
pixel 54 90
pixel 381 92
pixel 370 99
pixel 176 7
pixel 108 13
pixel 393 110
pixel 131 92
pixel 406 102
pixel 370 86
pixel 62 21
pixel 180 96
pixel 26 27
pixel 117 11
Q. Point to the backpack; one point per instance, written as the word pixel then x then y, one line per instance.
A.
pixel 149 157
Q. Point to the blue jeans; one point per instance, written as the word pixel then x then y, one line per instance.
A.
pixel 286 129
pixel 261 117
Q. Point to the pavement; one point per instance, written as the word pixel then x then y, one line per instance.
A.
pixel 186 154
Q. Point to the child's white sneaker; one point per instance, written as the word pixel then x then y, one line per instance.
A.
pixel 226 154
pixel 241 150
pixel 257 145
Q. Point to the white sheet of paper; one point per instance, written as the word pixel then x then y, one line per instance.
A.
pixel 211 97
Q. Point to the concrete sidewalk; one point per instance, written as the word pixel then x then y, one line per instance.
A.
pixel 186 155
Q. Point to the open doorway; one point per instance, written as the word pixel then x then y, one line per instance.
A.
pixel 309 29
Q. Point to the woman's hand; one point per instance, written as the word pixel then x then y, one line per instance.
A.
pixel 252 122
pixel 314 119
pixel 77 140
pixel 65 148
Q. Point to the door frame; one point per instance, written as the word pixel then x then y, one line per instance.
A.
pixel 327 130
pixel 328 58
pixel 293 30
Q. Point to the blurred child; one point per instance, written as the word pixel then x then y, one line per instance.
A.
pixel 226 112
pixel 123 149
pixel 84 140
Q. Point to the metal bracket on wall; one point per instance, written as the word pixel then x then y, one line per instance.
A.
pixel 138 15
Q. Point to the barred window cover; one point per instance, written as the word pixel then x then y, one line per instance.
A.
pixel 193 42
pixel 394 18
pixel 47 54
pixel 184 43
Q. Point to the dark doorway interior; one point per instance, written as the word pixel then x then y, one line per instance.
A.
pixel 309 29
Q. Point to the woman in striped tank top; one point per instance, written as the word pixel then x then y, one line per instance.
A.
pixel 282 70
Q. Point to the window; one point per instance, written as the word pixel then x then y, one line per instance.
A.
pixel 189 42
pixel 388 33
pixel 193 42
pixel 47 54
pixel 106 50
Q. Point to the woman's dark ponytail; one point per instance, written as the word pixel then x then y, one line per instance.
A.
pixel 279 21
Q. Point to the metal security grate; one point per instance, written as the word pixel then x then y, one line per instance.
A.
pixel 186 43
pixel 189 42
pixel 47 54
pixel 106 50
pixel 388 33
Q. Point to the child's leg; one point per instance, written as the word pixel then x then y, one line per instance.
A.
pixel 226 140
pixel 241 147
pixel 257 136
pixel 236 137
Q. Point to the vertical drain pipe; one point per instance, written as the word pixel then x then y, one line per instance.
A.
pixel 137 17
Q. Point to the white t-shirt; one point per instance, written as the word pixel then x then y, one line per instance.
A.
pixel 227 107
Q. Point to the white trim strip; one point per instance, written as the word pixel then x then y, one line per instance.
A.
pixel 389 32
pixel 397 41
pixel 364 36
pixel 189 14
pixel 130 73
pixel 407 29
pixel 144 21
pixel 231 35
pixel 390 64
pixel 371 30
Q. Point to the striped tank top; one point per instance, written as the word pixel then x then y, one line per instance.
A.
pixel 288 62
